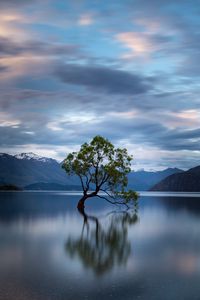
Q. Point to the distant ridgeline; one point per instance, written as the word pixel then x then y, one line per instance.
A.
pixel 188 181
pixel 9 187
pixel 32 172
pixel 43 186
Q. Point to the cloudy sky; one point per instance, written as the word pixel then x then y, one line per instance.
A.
pixel 127 70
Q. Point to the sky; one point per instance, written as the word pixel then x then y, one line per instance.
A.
pixel 127 70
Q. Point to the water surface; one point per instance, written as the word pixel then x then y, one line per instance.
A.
pixel 48 250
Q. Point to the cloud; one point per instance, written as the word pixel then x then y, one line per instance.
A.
pixel 14 3
pixel 69 121
pixel 85 20
pixel 8 121
pixel 137 133
pixel 7 47
pixel 189 66
pixel 144 44
pixel 3 68
pixel 62 83
pixel 137 42
pixel 11 48
pixel 103 79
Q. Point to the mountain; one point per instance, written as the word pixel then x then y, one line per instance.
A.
pixel 9 187
pixel 144 180
pixel 42 186
pixel 26 169
pixel 33 156
pixel 188 181
pixel 29 168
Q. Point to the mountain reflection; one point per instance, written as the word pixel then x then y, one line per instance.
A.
pixel 102 245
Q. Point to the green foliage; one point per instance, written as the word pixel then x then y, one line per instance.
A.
pixel 103 167
pixel 129 195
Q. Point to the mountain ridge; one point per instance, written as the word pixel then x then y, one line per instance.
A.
pixel 186 181
pixel 28 168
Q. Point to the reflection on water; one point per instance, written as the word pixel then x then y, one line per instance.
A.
pixel 103 247
pixel 48 250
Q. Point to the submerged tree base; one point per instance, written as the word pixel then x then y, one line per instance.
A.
pixel 81 203
pixel 129 196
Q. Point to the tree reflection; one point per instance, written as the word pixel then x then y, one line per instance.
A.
pixel 103 245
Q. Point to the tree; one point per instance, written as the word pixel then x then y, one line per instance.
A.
pixel 101 168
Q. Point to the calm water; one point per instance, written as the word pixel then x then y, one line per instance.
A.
pixel 50 251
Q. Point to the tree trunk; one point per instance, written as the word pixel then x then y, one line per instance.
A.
pixel 81 203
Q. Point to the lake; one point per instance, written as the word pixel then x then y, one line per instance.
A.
pixel 48 250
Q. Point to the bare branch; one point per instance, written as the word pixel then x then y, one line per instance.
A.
pixel 87 180
pixel 88 184
pixel 105 179
pixel 96 173
pixel 81 179
pixel 107 194
pixel 116 202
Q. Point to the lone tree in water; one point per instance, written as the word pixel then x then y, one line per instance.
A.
pixel 101 168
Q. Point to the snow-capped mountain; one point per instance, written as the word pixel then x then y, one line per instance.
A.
pixel 28 168
pixel 31 155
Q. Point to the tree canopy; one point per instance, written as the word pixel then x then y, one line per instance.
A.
pixel 102 168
